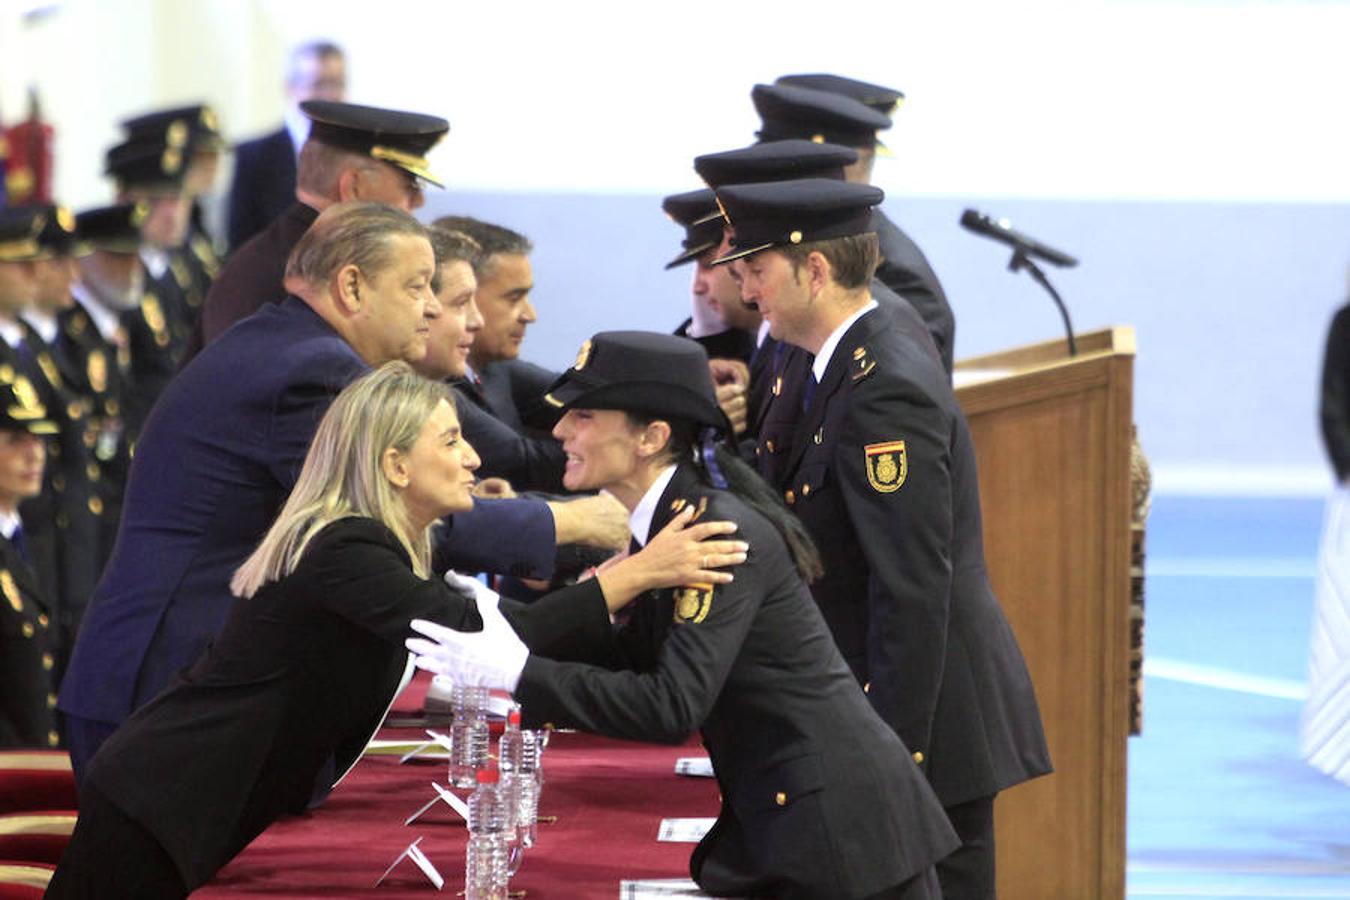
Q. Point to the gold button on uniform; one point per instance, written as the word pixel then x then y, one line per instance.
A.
pixel 806 490
pixel 51 701
pixel 92 471
pixel 96 506
pixel 790 497
pixel 53 739
pixel 47 661
pixel 43 620
pixel 780 798
pixel 918 756
pixel 770 444
pixel 28 629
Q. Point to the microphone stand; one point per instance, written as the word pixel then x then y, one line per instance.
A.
pixel 1020 261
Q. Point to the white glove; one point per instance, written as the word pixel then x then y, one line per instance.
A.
pixel 483 595
pixel 491 658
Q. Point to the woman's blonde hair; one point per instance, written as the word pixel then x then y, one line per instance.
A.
pixel 343 475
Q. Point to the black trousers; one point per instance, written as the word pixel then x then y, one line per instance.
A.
pixel 968 873
pixel 111 856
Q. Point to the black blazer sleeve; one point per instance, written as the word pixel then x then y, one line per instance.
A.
pixel 1335 406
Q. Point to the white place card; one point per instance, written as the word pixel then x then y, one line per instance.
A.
pixel 683 831
pixel 658 889
pixel 442 796
pixel 419 858
pixel 695 766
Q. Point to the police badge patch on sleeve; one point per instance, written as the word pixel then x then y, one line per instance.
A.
pixel 692 602
pixel 886 465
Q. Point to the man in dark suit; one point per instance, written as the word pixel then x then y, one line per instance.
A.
pixel 498 380
pixel 839 116
pixel 265 168
pixel 223 448
pixel 883 476
pixel 353 153
pixel 27 648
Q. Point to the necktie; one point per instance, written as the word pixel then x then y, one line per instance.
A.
pixel 809 391
pixel 20 545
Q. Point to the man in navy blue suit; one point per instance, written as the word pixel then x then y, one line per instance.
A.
pixel 265 168
pixel 224 445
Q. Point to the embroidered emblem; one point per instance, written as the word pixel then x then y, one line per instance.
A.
pixel 49 370
pixel 692 602
pixel 10 590
pixel 97 369
pixel 583 356
pixel 886 465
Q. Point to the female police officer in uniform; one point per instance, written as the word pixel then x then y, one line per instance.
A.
pixel 820 798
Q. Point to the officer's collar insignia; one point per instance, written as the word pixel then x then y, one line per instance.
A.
pixel 702 508
pixel 677 504
pixel 48 366
pixel 887 465
pixel 11 590
pixel 583 356
pixel 862 365
pixel 692 602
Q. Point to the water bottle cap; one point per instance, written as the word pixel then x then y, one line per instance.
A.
pixel 488 775
pixel 513 717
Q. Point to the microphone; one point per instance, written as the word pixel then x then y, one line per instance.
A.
pixel 1001 231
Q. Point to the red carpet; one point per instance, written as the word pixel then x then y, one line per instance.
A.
pixel 609 797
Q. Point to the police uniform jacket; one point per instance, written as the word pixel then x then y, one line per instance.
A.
pixel 819 797
pixel 905 270
pixel 734 343
pixel 263 185
pixel 303 670
pixel 27 661
pixel 883 476
pixel 220 454
pixel 252 277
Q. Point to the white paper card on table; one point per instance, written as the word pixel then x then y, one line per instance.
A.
pixel 683 831
pixel 419 858
pixel 696 766
pixel 658 889
pixel 442 796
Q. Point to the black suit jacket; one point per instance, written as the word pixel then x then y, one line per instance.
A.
pixel 1335 400
pixel 27 660
pixel 905 270
pixel 529 463
pixel 303 670
pixel 819 798
pixel 251 278
pixel 263 186
pixel 514 390
pixel 883 477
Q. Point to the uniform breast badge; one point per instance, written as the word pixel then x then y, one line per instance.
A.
pixel 887 466
pixel 11 590
pixel 692 602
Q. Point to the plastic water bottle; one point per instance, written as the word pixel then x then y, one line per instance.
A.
pixel 468 735
pixel 529 783
pixel 485 857
pixel 509 751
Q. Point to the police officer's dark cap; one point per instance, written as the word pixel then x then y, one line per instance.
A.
pixel 399 138
pixel 189 128
pixel 112 229
pixel 21 233
pixel 698 213
pixel 795 212
pixel 786 112
pixel 57 237
pixel 775 161
pixel 149 163
pixel 20 407
pixel 642 372
pixel 882 99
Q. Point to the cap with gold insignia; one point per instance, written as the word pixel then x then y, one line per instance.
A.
pixel 21 228
pixel 787 112
pixel 20 407
pixel 57 237
pixel 882 99
pixel 775 161
pixel 193 129
pixel 645 372
pixel 399 138
pixel 112 229
pixel 795 212
pixel 151 164
pixel 698 213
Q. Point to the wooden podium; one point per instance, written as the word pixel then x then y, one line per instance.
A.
pixel 1052 435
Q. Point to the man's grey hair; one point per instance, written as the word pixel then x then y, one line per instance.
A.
pixel 352 233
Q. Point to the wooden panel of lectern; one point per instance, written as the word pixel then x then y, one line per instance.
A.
pixel 1052 434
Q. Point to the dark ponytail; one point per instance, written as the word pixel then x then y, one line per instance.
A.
pixel 746 484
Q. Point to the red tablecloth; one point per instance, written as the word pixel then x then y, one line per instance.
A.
pixel 609 797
